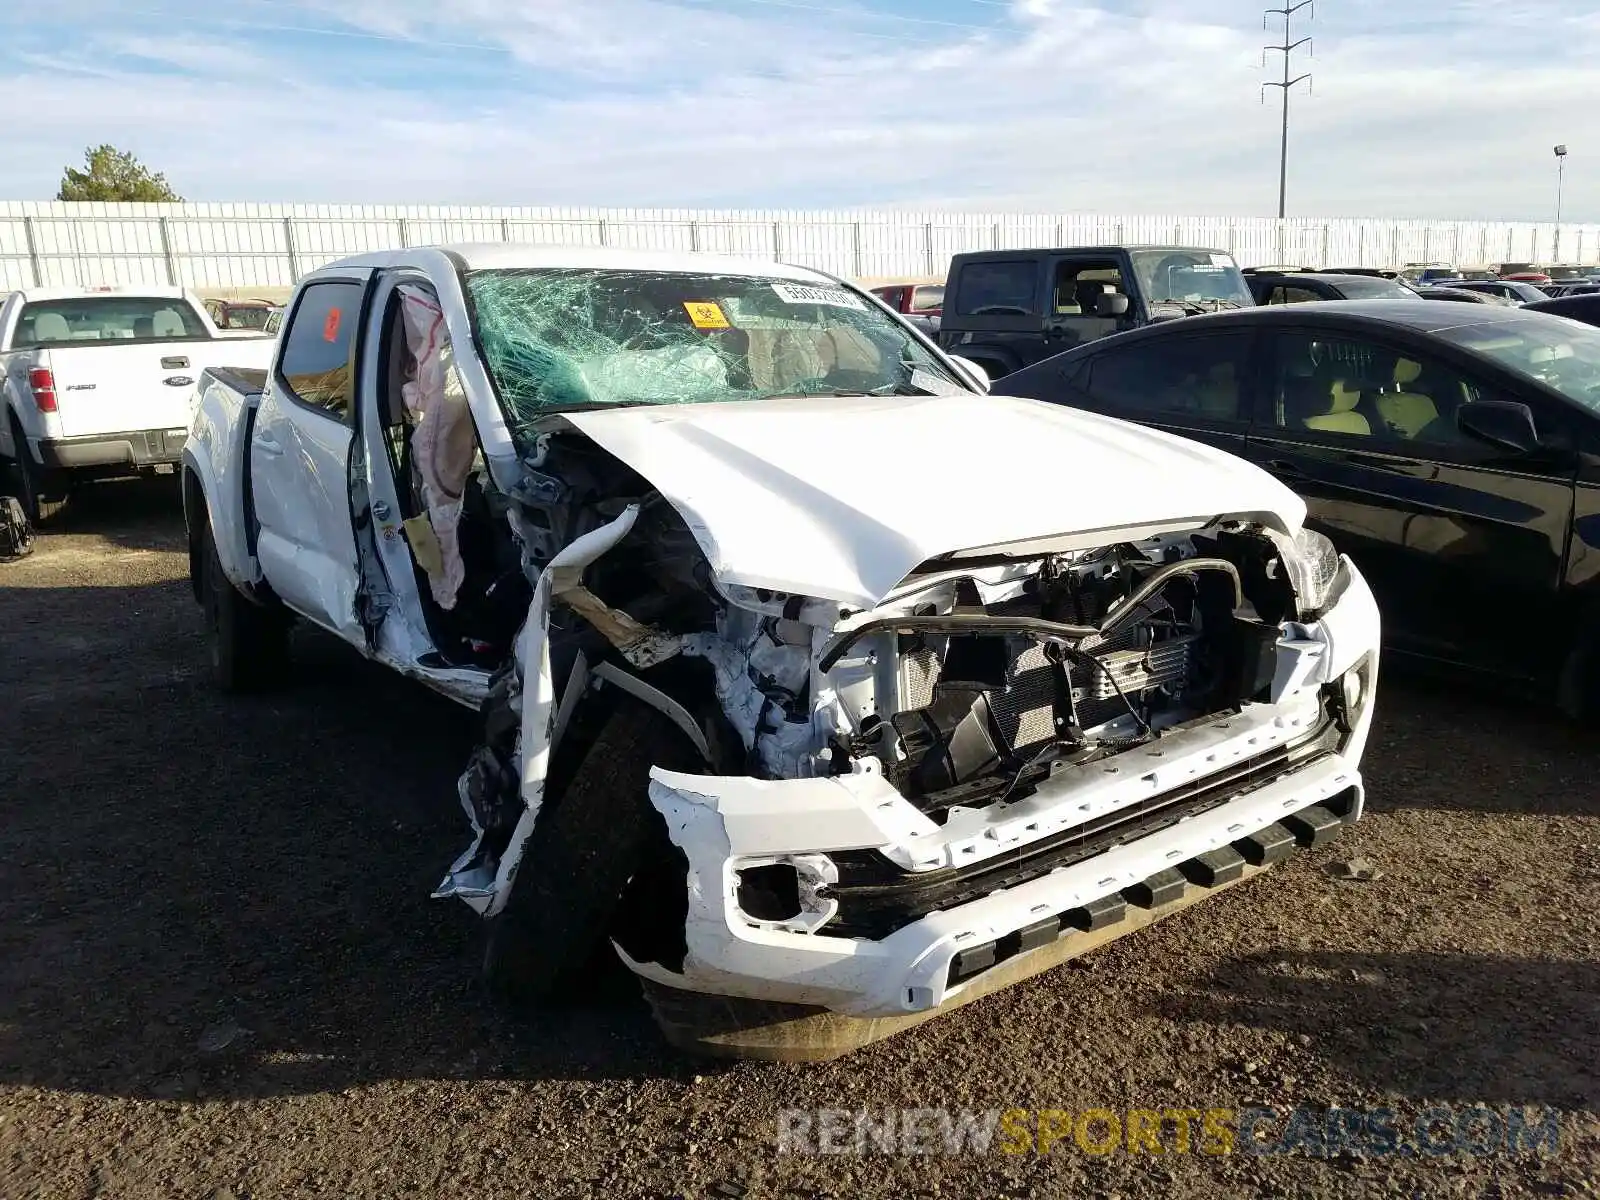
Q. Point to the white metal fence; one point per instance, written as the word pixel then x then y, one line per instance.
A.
pixel 272 245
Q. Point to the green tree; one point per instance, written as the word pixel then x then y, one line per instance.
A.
pixel 114 174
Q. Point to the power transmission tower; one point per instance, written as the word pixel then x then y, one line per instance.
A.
pixel 1287 49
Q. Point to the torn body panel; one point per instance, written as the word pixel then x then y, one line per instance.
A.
pixel 532 695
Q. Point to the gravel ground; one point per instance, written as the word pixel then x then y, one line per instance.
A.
pixel 221 974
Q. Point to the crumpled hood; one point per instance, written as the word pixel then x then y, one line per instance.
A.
pixel 841 498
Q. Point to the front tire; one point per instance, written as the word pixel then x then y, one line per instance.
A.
pixel 596 838
pixel 249 644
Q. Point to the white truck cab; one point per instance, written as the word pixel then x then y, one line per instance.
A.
pixel 97 382
pixel 832 691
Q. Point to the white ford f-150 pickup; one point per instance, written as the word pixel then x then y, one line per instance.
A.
pixel 98 382
pixel 829 690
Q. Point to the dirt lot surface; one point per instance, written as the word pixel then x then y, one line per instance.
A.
pixel 221 975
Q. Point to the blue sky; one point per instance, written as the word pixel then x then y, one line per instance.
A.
pixel 1420 108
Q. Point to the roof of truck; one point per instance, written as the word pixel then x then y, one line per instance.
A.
pixel 149 290
pixel 1131 247
pixel 488 256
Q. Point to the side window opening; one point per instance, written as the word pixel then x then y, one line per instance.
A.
pixel 1341 386
pixel 317 360
pixel 998 289
pixel 1079 283
pixel 1293 295
pixel 1195 378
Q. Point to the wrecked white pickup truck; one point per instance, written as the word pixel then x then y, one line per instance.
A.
pixel 827 689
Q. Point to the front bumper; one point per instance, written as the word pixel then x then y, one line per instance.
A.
pixel 130 450
pixel 1005 882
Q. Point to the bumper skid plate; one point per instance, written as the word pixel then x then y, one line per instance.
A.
pixel 731 1027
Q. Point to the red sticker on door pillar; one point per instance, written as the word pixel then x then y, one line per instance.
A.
pixel 330 327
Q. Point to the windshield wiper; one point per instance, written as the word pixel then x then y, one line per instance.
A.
pixel 1193 307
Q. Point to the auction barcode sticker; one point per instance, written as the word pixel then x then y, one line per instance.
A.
pixel 795 293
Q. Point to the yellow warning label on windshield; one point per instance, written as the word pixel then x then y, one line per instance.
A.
pixel 706 315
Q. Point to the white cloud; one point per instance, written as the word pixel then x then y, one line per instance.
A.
pixel 1063 107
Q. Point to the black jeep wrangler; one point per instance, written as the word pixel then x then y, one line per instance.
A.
pixel 1005 309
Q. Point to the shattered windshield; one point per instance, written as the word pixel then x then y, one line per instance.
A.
pixel 1201 277
pixel 560 339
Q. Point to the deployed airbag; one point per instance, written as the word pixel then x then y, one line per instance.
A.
pixel 442 443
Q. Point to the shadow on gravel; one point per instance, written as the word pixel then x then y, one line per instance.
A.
pixel 1455 1027
pixel 1438 744
pixel 204 897
pixel 135 514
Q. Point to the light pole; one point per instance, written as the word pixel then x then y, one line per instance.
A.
pixel 1561 171
pixel 1287 50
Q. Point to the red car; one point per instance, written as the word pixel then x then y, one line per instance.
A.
pixel 920 299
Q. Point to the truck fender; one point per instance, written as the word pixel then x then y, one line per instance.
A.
pixel 8 448
pixel 14 416
pixel 216 483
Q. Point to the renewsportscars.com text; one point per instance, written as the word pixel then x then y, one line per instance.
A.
pixel 1313 1132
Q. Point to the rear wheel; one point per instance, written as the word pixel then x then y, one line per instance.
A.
pixel 249 643
pixel 597 841
pixel 43 493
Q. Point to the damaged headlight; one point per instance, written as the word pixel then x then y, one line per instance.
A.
pixel 1313 566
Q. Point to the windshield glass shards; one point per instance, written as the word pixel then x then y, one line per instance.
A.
pixel 570 339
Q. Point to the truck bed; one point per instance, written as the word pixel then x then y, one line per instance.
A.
pixel 248 381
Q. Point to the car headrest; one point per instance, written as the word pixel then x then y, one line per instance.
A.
pixel 51 327
pixel 1087 291
pixel 166 323
pixel 1343 396
pixel 1407 371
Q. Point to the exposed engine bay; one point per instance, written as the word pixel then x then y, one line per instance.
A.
pixel 1003 672
pixel 974 680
